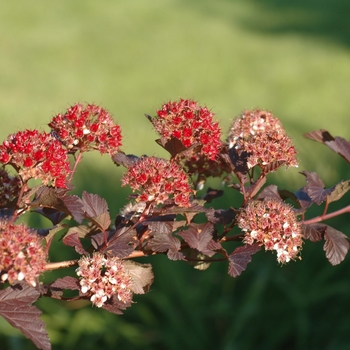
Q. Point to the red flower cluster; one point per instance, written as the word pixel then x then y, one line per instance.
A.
pixel 273 224
pixel 9 188
pixel 191 124
pixel 261 135
pixel 87 128
pixel 157 179
pixel 22 257
pixel 102 278
pixel 36 155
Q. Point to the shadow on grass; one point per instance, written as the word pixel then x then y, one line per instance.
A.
pixel 319 18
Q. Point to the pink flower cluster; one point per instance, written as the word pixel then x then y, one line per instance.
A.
pixel 262 135
pixel 87 128
pixel 22 256
pixel 9 188
pixel 36 155
pixel 191 124
pixel 103 278
pixel 157 180
pixel 273 224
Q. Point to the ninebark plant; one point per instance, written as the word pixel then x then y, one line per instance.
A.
pixel 162 216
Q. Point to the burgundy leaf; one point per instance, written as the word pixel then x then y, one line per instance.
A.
pixel 336 144
pixel 212 194
pixel 315 187
pixel 314 232
pixel 162 242
pixel 48 197
pixel 94 205
pixel 67 282
pixel 175 255
pixel 239 161
pixel 240 257
pixel 336 245
pixel 270 192
pixel 126 160
pixel 173 145
pixel 341 146
pixel 319 135
pixel 75 206
pixel 114 305
pixel 73 240
pixel 165 227
pixel 198 236
pixel 16 308
pixel 141 275
pixel 213 245
pixel 221 216
pixel 103 221
pixel 54 215
pixel 303 198
pixel 338 191
pixel 120 243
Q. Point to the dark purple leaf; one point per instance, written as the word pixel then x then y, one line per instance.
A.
pixel 175 255
pixel 75 206
pixel 303 198
pixel 341 146
pixel 239 161
pixel 73 240
pixel 120 243
pixel 94 205
pixel 114 305
pixel 315 187
pixel 221 216
pixel 270 192
pixel 141 275
pixel 336 144
pixel 319 135
pixel 212 194
pixel 161 242
pixel 213 245
pixel 161 225
pixel 240 258
pixel 126 160
pixel 103 221
pixel 67 282
pixel 16 308
pixel 197 236
pixel 174 146
pixel 53 215
pixel 48 197
pixel 336 245
pixel 314 232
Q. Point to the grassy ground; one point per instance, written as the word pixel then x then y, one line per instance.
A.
pixel 131 56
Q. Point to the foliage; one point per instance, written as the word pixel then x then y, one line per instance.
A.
pixel 165 215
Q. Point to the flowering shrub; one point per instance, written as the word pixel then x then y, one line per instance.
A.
pixel 165 214
pixel 157 179
pixel 103 278
pixel 273 224
pixel 36 156
pixel 22 256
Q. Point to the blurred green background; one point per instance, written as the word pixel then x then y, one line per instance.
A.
pixel 290 57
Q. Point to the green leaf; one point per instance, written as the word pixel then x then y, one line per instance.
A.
pixel 339 190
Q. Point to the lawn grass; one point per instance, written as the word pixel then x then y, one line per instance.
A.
pixel 132 56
